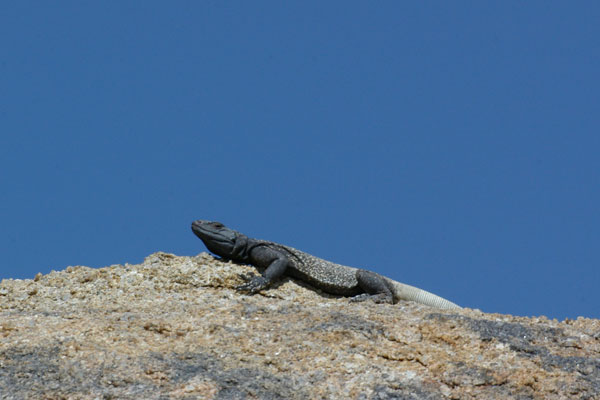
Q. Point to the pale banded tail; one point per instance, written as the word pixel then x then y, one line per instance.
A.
pixel 411 293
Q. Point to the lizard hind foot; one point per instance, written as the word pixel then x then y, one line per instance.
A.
pixel 378 298
pixel 359 298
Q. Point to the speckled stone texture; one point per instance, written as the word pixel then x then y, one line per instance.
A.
pixel 174 328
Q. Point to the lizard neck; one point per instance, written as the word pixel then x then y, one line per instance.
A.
pixel 241 249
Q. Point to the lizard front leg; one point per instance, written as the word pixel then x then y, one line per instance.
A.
pixel 274 271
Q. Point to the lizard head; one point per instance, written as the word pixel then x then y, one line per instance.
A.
pixel 217 238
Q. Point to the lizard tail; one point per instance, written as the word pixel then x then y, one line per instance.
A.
pixel 411 293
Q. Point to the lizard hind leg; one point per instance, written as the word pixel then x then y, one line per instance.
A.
pixel 375 287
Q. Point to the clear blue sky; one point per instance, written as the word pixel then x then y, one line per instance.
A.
pixel 452 146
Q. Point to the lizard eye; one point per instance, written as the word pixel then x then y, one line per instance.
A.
pixel 217 225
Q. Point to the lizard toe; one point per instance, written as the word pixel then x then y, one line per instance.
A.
pixel 256 284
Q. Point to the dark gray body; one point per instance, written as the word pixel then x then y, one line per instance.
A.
pixel 328 276
pixel 278 259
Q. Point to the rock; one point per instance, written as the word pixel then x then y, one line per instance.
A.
pixel 174 328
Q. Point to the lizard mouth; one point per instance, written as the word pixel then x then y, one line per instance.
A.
pixel 197 224
pixel 215 236
pixel 199 229
pixel 214 231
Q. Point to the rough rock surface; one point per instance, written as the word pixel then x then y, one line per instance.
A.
pixel 174 328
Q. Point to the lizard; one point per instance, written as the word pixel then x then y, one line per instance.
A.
pixel 278 260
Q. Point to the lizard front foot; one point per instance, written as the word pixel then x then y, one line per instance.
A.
pixel 254 285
